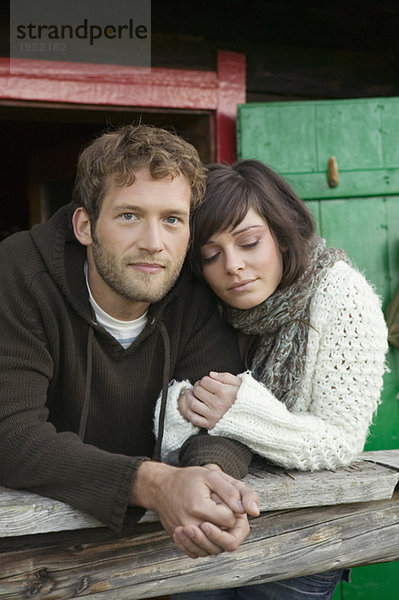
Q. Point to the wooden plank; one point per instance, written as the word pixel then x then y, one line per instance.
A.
pixel 280 545
pixel 390 131
pixel 298 138
pixel 296 72
pixel 274 132
pixel 22 513
pixel 231 71
pixel 343 220
pixel 351 132
pixel 87 83
pixel 359 482
pixel 359 184
pixel 388 458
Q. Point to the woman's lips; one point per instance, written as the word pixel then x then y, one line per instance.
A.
pixel 241 286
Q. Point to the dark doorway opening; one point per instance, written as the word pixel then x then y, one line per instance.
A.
pixel 40 142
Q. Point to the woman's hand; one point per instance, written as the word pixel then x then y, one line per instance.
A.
pixel 209 399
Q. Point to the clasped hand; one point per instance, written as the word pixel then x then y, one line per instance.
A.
pixel 210 398
pixel 209 511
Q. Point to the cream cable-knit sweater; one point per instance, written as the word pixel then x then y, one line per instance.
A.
pixel 328 425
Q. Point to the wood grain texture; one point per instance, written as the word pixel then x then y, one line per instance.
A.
pixel 281 544
pixel 298 138
pixel 332 520
pixel 373 477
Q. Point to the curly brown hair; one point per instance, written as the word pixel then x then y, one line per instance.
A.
pixel 115 156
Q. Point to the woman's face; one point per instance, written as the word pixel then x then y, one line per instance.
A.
pixel 243 265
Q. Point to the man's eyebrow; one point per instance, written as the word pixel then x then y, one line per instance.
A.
pixel 176 211
pixel 126 207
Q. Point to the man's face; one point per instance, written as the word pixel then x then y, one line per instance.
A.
pixel 139 243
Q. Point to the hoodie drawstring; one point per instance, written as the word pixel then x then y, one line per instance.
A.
pixel 165 384
pixel 86 402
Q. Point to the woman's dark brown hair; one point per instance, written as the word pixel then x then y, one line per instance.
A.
pixel 231 190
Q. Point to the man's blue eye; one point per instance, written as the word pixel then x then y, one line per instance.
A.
pixel 172 220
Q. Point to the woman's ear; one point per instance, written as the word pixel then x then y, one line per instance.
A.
pixel 81 226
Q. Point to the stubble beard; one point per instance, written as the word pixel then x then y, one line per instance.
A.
pixel 131 284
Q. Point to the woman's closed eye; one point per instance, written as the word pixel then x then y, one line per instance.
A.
pixel 206 260
pixel 250 244
pixel 209 256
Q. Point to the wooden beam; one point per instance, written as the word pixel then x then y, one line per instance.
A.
pixel 54 81
pixel 281 544
pixel 232 91
pixel 373 477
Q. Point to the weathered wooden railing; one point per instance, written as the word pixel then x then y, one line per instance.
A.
pixel 309 522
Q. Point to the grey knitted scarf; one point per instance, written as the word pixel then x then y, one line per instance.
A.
pixel 282 323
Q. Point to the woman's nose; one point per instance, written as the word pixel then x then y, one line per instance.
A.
pixel 233 262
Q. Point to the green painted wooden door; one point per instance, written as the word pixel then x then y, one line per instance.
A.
pixel 361 215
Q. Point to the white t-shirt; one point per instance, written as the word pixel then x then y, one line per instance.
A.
pixel 125 332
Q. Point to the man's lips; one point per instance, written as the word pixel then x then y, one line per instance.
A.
pixel 241 285
pixel 144 267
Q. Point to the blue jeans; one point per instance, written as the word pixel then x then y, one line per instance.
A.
pixel 320 586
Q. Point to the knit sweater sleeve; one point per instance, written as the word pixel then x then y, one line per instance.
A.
pixel 341 387
pixel 211 345
pixel 340 392
pixel 176 429
pixel 186 445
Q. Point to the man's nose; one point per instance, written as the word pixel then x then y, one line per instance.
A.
pixel 151 237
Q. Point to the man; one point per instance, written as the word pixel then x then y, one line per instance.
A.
pixel 98 315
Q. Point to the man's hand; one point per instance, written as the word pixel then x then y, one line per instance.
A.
pixel 204 510
pixel 209 399
pixel 207 539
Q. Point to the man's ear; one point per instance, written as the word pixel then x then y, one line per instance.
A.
pixel 81 226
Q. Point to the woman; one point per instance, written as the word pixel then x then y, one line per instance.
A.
pixel 311 331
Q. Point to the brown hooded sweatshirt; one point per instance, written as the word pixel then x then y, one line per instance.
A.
pixel 76 409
